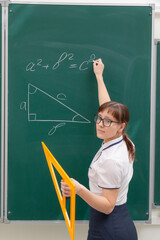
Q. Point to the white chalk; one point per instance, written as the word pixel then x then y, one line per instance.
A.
pixel 95 61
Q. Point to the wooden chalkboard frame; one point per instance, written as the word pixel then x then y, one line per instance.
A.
pixel 151 135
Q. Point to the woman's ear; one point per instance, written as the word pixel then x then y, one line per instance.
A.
pixel 122 127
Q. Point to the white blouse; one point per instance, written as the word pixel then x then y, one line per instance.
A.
pixel 111 169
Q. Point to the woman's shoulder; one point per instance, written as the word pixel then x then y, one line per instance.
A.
pixel 118 150
pixel 118 155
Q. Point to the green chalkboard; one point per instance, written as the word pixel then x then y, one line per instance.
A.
pixel 157 148
pixel 52 97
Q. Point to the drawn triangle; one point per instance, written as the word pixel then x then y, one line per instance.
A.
pixel 44 107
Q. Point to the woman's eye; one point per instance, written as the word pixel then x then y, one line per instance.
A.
pixel 107 120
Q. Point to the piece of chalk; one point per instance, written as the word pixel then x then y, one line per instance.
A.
pixel 95 62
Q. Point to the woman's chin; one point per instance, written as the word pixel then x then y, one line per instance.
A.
pixel 100 136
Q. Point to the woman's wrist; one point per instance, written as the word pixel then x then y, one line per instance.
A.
pixel 99 77
pixel 79 189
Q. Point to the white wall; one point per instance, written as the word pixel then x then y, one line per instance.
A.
pixel 157 25
pixel 58 231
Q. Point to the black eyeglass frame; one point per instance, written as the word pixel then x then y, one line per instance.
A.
pixel 96 117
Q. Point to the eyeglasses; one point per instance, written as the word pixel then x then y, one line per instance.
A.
pixel 106 122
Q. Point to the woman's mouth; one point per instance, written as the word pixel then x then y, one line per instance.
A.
pixel 100 131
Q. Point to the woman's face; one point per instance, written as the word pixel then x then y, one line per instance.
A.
pixel 113 131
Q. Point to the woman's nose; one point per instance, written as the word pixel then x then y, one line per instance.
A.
pixel 101 124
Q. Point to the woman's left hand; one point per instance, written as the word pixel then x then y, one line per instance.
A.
pixel 66 191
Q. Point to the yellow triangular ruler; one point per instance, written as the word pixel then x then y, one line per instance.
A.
pixel 62 200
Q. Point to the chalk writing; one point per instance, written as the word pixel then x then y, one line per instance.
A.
pixel 64 57
pixel 39 114
pixel 34 116
pixel 23 106
pixel 61 96
pixel 30 67
pixel 39 62
pixel 61 59
pixel 52 131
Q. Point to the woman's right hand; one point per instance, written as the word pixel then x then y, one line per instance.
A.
pixel 103 94
pixel 66 191
pixel 98 67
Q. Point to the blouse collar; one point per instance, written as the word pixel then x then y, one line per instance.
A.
pixel 112 142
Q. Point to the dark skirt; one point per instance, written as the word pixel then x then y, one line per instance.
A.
pixel 118 225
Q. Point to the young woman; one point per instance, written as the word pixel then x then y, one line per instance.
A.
pixel 110 171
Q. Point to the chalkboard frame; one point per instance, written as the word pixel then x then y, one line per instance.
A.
pixel 156 201
pixel 2 112
pixel 152 111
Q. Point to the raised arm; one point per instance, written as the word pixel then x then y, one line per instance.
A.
pixel 103 94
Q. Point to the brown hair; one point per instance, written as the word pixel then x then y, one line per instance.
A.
pixel 121 113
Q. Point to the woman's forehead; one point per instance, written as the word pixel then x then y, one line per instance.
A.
pixel 106 113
